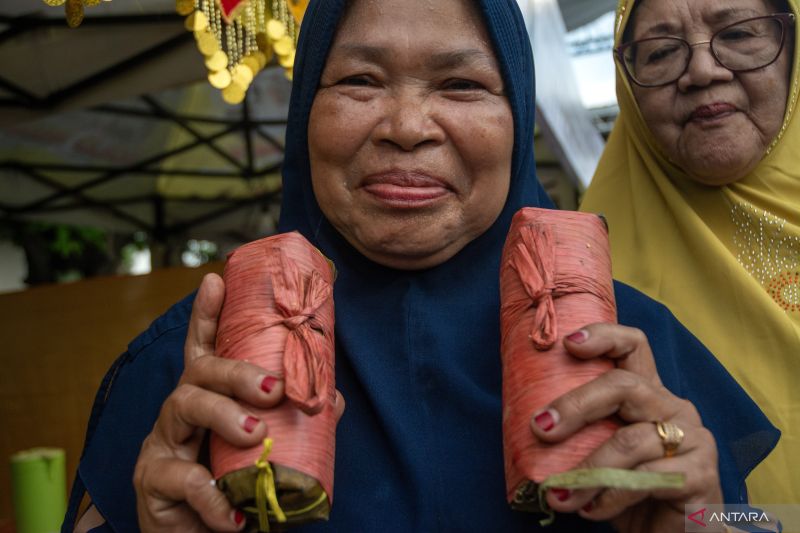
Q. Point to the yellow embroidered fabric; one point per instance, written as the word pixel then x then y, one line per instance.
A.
pixel 725 260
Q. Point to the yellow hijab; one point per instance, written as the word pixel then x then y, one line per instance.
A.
pixel 725 260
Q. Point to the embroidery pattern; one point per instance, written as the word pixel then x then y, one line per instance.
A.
pixel 770 255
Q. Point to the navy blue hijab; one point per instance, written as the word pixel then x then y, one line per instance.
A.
pixel 419 447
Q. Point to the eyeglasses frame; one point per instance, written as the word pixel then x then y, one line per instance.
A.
pixel 787 20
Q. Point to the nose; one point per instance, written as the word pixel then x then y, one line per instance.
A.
pixel 703 69
pixel 409 121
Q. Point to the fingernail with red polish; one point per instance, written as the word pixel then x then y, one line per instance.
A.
pixel 250 423
pixel 562 495
pixel 238 517
pixel 547 419
pixel 588 507
pixel 578 337
pixel 268 383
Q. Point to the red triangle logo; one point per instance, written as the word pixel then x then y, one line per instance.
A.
pixel 701 514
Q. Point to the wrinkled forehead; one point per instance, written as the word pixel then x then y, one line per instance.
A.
pixel 422 7
pixel 412 22
pixel 660 13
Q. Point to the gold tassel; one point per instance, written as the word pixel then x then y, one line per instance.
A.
pixel 236 48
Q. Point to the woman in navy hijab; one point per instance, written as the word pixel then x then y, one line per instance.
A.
pixel 409 148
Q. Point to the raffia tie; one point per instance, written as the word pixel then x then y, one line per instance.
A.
pixel 306 383
pixel 534 262
pixel 535 271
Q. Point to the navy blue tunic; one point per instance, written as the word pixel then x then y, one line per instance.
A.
pixel 419 447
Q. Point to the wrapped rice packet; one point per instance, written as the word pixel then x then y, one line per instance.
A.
pixel 555 277
pixel 278 313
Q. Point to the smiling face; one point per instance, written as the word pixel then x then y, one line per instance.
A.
pixel 714 124
pixel 410 134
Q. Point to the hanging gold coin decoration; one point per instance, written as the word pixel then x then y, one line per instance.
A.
pixel 239 38
pixel 220 79
pixel 261 59
pixel 252 64
pixel 233 94
pixel 74 9
pixel 230 34
pixel 287 61
pixel 196 21
pixel 283 46
pixel 184 7
pixel 216 61
pixel 206 43
pixel 242 75
pixel 276 30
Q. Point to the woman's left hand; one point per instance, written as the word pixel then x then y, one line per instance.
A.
pixel 634 392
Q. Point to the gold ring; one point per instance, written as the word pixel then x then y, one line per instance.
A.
pixel 671 437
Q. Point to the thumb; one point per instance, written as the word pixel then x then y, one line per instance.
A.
pixel 203 322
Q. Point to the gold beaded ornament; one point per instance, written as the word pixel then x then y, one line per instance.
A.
pixel 238 38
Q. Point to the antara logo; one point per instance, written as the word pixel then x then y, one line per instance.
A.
pixel 698 517
pixel 727 517
pixel 736 516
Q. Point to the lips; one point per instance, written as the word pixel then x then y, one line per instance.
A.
pixel 400 188
pixel 711 111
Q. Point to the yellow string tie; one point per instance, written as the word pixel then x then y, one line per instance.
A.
pixel 266 495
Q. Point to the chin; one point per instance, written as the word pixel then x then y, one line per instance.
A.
pixel 408 255
pixel 408 241
pixel 717 175
pixel 404 246
pixel 718 164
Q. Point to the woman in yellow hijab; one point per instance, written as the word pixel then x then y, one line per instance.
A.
pixel 700 182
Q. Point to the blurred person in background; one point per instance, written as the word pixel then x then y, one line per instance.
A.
pixel 700 183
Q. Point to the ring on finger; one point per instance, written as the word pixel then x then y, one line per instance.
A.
pixel 671 437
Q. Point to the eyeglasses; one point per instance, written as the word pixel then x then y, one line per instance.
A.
pixel 746 45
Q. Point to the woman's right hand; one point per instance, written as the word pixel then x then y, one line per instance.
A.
pixel 633 391
pixel 173 491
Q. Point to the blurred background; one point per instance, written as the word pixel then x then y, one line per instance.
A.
pixel 125 177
